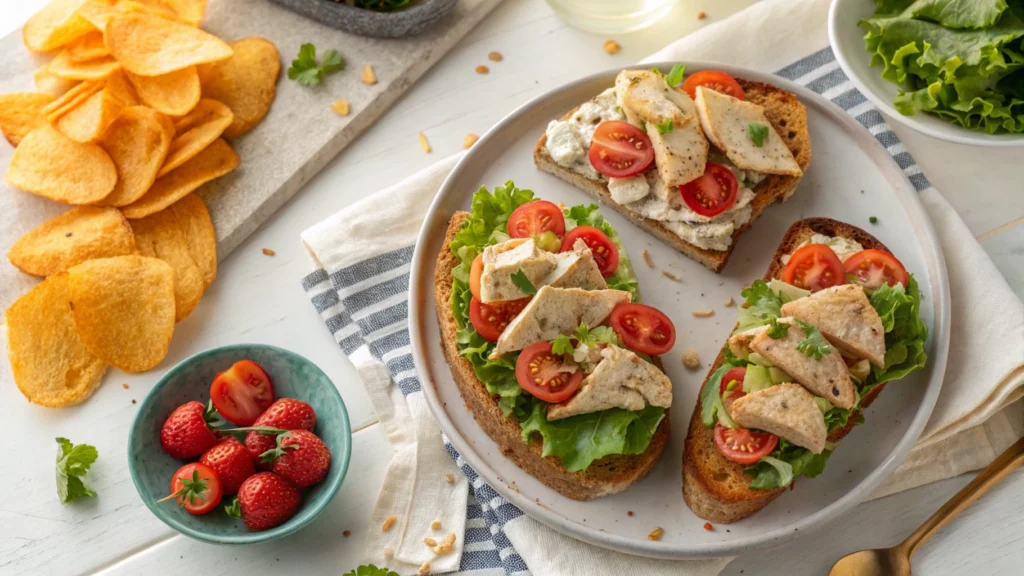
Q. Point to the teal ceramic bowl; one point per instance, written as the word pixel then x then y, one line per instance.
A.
pixel 293 377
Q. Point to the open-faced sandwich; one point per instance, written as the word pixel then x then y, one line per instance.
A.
pixel 551 351
pixel 693 162
pixel 835 318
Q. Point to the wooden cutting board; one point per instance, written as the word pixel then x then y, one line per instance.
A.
pixel 295 140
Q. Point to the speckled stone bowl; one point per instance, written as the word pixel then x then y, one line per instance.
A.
pixel 293 377
pixel 362 22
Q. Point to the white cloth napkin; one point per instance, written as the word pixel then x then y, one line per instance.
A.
pixel 966 431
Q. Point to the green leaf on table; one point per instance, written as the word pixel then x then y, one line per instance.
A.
pixel 73 461
pixel 306 71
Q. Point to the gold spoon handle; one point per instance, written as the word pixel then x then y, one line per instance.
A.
pixel 1007 462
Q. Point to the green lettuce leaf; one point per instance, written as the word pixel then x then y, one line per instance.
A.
pixel 905 333
pixel 770 472
pixel 763 305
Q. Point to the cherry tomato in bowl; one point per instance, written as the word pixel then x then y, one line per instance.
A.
pixel 742 445
pixel 872 268
pixel 814 267
pixel 643 328
pixel 196 487
pixel 713 193
pixel 620 150
pixel 241 393
pixel 533 219
pixel 490 320
pixel 713 80
pixel 545 375
pixel 605 252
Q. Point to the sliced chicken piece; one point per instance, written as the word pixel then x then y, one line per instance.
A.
pixel 576 268
pixel 621 380
pixel 786 410
pixel 739 343
pixel 826 376
pixel 503 260
pixel 555 311
pixel 726 122
pixel 846 318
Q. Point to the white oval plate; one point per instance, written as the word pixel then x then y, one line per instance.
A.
pixel 851 178
pixel 847 40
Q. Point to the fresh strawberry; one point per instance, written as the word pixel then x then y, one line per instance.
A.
pixel 299 457
pixel 286 413
pixel 185 433
pixel 266 500
pixel 231 461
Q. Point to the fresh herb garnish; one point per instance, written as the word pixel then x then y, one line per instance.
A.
pixel 234 510
pixel 562 344
pixel 370 570
pixel 814 344
pixel 306 71
pixel 656 70
pixel 72 463
pixel 777 329
pixel 523 283
pixel 382 6
pixel 675 76
pixel 758 132
pixel 666 126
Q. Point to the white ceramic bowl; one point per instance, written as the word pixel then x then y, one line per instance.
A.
pixel 847 41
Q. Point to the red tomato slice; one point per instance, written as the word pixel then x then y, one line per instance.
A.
pixel 535 218
pixel 605 252
pixel 714 80
pixel 241 393
pixel 620 150
pixel 744 446
pixel 490 320
pixel 737 392
pixel 876 267
pixel 542 374
pixel 643 328
pixel 476 271
pixel 713 193
pixel 814 267
pixel 196 487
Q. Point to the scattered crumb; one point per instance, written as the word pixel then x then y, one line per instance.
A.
pixel 424 144
pixel 125 386
pixel 133 400
pixel 671 276
pixel 481 69
pixel 690 359
pixel 629 513
pixel 388 552
pixel 612 47
pixel 656 535
pixel 435 525
pixel 469 140
pixel 425 569
pixel 704 313
pixel 450 538
pixel 729 302
pixel 495 57
pixel 430 542
pixel 389 523
pixel 268 252
pixel 367 76
pixel 341 107
pixel 346 533
pixel 708 526
pixel 450 478
pixel 701 15
pixel 647 259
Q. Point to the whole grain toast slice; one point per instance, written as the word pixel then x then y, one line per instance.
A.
pixel 714 487
pixel 786 114
pixel 608 475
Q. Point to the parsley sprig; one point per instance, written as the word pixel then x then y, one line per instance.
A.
pixel 777 329
pixel 306 71
pixel 666 126
pixel 758 132
pixel 522 282
pixel 73 461
pixel 813 344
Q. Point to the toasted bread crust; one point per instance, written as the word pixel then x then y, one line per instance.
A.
pixel 714 487
pixel 786 114
pixel 605 476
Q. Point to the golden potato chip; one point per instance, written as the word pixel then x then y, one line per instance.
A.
pixel 159 236
pixel 119 86
pixel 195 223
pixel 214 161
pixel 70 99
pixel 124 309
pixel 195 132
pixel 174 93
pixel 57 24
pixel 54 166
pixel 88 47
pixel 246 82
pixel 50 84
pixel 137 142
pixel 150 46
pixel 88 121
pixel 80 234
pixel 189 11
pixel 100 12
pixel 62 67
pixel 51 365
pixel 21 113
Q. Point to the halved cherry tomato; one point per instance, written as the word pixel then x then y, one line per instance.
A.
pixel 535 218
pixel 241 393
pixel 476 271
pixel 620 150
pixel 196 487
pixel 714 80
pixel 605 252
pixel 643 328
pixel 713 193
pixel 876 267
pixel 490 320
pixel 545 375
pixel 744 446
pixel 737 392
pixel 814 267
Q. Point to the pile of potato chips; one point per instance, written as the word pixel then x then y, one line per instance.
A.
pixel 129 119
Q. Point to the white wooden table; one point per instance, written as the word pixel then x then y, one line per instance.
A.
pixel 258 299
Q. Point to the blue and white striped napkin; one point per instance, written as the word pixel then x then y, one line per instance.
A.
pixel 363 257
